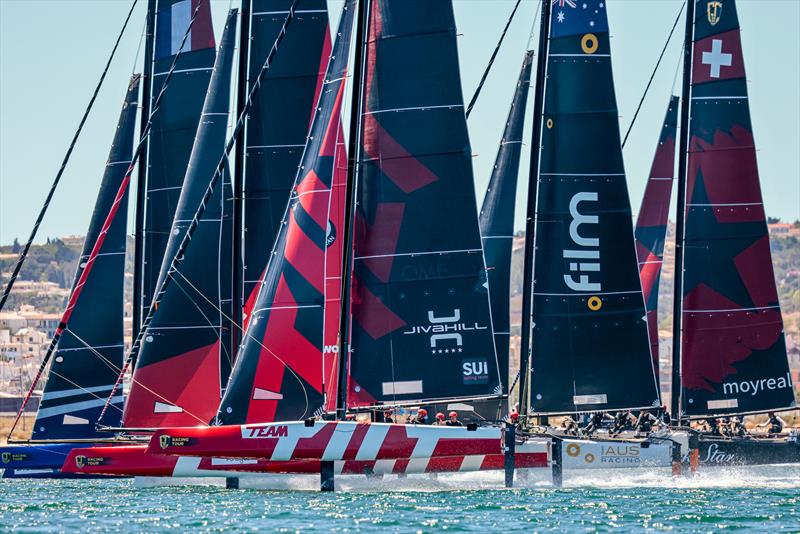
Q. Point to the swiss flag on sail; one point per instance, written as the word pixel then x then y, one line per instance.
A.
pixel 718 57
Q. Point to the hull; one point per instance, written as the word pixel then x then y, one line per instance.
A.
pixel 138 461
pixel 37 461
pixel 722 452
pixel 619 453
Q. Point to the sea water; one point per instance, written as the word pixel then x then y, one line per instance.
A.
pixel 764 498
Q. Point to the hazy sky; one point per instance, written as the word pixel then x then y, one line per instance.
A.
pixel 52 53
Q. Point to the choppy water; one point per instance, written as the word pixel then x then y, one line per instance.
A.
pixel 754 498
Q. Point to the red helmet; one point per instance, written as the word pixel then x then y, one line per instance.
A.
pixel 514 415
pixel 440 416
pixel 422 412
pixel 453 414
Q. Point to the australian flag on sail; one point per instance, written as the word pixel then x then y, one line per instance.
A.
pixel 173 21
pixel 574 17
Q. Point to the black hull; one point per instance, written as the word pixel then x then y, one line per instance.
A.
pixel 748 451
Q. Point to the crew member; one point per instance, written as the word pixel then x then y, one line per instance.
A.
pixel 622 421
pixel 421 418
pixel 439 419
pixel 665 417
pixel 775 424
pixel 713 426
pixel 595 422
pixel 736 428
pixel 570 426
pixel 514 416
pixel 388 415
pixel 453 419
pixel 644 425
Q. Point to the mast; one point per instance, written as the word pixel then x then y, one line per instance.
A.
pixel 530 217
pixel 350 198
pixel 680 207
pixel 141 184
pixel 238 179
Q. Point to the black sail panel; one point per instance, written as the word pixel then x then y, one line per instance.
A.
pixel 421 321
pixel 175 124
pixel 497 217
pixel 278 122
pixel 184 355
pixel 89 353
pixel 590 346
pixel 733 357
pixel 278 374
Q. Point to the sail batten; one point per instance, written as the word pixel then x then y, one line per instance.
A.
pixel 733 350
pixel 89 353
pixel 590 348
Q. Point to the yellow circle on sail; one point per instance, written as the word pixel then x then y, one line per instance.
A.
pixel 594 303
pixel 573 449
pixel 589 43
pixel 549 123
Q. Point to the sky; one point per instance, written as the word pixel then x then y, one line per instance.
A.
pixel 52 53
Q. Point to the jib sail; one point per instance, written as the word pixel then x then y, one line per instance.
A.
pixel 278 373
pixel 651 225
pixel 279 121
pixel 184 354
pixel 89 353
pixel 497 217
pixel 175 125
pixel 421 321
pixel 590 347
pixel 733 346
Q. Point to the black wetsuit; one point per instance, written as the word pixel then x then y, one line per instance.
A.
pixel 775 425
pixel 453 423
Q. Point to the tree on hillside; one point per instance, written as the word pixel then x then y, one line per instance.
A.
pixel 797 223
pixel 16 247
pixel 773 220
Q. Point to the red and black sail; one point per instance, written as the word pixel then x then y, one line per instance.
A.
pixel 184 354
pixel 733 347
pixel 421 321
pixel 497 217
pixel 89 353
pixel 279 121
pixel 278 373
pixel 651 226
pixel 590 347
pixel 175 125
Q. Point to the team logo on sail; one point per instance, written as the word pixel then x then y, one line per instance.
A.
pixel 80 461
pixel 587 248
pixel 445 332
pixel 714 9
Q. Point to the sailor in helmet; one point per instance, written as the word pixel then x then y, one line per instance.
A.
pixel 388 415
pixel 775 424
pixel 453 419
pixel 421 418
pixel 439 419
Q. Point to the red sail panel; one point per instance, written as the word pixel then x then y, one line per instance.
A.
pixel 651 226
pixel 279 370
pixel 421 322
pixel 733 347
pixel 184 357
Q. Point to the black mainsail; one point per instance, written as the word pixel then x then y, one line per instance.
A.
pixel 421 321
pixel 89 353
pixel 497 217
pixel 590 348
pixel 733 351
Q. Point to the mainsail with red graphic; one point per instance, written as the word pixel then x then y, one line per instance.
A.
pixel 733 348
pixel 651 226
pixel 184 355
pixel 421 322
pixel 278 121
pixel 278 373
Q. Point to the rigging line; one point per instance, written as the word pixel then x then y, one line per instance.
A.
pixel 176 260
pixel 78 386
pixel 245 332
pixel 653 75
pixel 491 60
pixel 24 254
pixel 112 212
pixel 139 46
